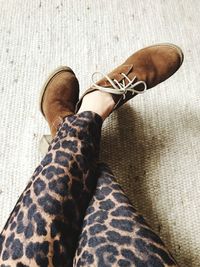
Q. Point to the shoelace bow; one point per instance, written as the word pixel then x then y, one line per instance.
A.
pixel 119 88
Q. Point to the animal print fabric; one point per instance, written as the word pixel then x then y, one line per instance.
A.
pixel 114 234
pixel 46 226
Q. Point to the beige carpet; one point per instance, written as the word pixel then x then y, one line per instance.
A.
pixel 152 143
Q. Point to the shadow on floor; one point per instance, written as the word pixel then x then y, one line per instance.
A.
pixel 133 153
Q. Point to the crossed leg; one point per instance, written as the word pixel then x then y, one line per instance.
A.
pixel 114 234
pixel 44 226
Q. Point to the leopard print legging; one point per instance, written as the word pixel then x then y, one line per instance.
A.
pixel 74 213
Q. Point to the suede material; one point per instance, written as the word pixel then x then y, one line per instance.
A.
pixel 59 98
pixel 153 65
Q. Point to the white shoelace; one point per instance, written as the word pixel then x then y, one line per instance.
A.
pixel 119 88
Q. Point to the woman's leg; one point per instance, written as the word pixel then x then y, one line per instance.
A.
pixel 43 228
pixel 114 234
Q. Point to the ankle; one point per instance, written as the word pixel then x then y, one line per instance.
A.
pixel 99 102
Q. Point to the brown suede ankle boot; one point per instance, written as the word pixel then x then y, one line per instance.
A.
pixel 141 71
pixel 59 97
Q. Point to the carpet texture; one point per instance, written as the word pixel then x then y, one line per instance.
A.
pixel 152 143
